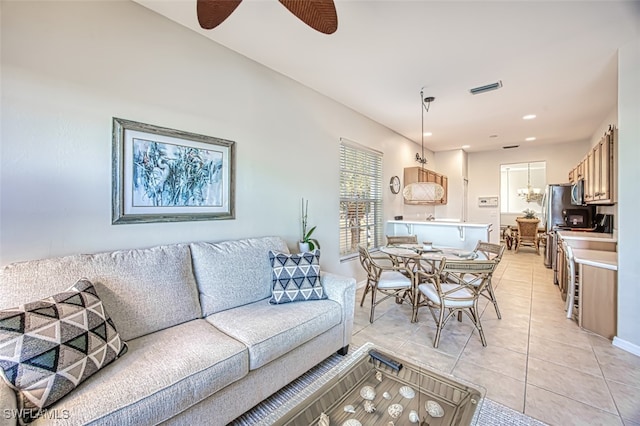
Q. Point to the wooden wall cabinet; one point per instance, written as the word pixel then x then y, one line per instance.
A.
pixel 418 174
pixel 597 169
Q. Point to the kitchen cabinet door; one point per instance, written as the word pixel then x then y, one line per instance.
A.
pixel 589 177
pixel 598 300
pixel 606 182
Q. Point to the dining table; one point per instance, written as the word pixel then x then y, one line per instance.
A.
pixel 425 258
pixel 429 254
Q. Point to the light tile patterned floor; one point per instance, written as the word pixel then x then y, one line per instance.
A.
pixel 536 361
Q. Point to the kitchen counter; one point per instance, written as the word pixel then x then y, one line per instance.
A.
pixel 587 236
pixel 596 258
pixel 441 223
pixel 442 233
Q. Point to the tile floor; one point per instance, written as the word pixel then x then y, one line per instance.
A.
pixel 536 361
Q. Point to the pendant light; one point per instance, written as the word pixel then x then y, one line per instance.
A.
pixel 423 192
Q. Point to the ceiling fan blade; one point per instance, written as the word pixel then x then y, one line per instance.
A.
pixel 212 13
pixel 318 14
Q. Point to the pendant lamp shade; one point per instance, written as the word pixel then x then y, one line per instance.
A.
pixel 423 191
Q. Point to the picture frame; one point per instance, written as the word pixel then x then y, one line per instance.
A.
pixel 167 175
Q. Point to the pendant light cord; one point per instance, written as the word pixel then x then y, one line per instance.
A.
pixel 425 103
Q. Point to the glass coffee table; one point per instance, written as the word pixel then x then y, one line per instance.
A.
pixel 377 387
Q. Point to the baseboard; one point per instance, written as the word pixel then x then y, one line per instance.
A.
pixel 626 346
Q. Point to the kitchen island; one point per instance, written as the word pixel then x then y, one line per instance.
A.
pixel 459 235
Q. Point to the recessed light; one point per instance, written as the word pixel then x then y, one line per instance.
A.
pixel 529 117
pixel 466 146
pixel 427 134
pixel 530 139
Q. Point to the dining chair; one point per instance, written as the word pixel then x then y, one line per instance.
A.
pixel 452 297
pixel 528 233
pixel 402 239
pixel 386 277
pixel 488 251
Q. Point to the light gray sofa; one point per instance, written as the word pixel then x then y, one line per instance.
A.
pixel 204 344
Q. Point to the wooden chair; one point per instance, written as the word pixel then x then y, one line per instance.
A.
pixel 402 239
pixel 455 296
pixel 489 251
pixel 528 233
pixel 385 277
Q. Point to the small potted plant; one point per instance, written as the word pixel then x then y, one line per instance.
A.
pixel 529 214
pixel 307 243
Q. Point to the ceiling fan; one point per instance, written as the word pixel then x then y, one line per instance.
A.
pixel 318 14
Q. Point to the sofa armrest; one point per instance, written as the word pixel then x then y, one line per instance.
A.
pixel 8 405
pixel 342 290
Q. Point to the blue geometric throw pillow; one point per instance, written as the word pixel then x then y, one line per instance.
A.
pixel 296 277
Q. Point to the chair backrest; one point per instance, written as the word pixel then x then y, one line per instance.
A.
pixel 367 263
pixel 527 228
pixel 570 263
pixel 457 269
pixel 402 239
pixel 490 251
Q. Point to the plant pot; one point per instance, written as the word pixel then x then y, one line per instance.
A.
pixel 303 247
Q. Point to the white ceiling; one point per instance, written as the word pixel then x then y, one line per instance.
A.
pixel 556 59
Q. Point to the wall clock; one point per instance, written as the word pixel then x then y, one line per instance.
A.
pixel 394 184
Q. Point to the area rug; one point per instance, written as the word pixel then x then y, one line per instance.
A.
pixel 491 413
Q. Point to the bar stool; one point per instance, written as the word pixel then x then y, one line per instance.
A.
pixel 572 281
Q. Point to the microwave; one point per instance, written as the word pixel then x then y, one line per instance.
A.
pixel 577 193
pixel 578 218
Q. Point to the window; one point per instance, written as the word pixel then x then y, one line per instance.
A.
pixel 360 198
pixel 521 188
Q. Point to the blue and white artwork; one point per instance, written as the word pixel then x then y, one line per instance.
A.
pixel 168 175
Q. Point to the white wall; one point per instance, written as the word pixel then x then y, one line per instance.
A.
pixel 484 174
pixel 69 67
pixel 629 197
pixel 452 165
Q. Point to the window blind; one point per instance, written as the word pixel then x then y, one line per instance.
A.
pixel 360 198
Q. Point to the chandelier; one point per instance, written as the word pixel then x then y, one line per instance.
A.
pixel 530 194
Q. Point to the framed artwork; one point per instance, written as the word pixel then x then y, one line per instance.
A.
pixel 167 175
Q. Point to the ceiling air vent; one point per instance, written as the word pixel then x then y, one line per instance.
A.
pixel 486 88
pixel 510 146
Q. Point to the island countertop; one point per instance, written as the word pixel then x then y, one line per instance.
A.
pixel 597 258
pixel 441 223
pixel 442 233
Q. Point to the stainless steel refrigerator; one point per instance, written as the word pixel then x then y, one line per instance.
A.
pixel 557 198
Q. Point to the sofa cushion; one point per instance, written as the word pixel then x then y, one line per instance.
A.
pixel 162 374
pixel 50 346
pixel 270 331
pixel 234 273
pixel 296 277
pixel 143 290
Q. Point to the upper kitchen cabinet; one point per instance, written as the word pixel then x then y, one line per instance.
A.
pixel 598 170
pixel 418 174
